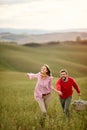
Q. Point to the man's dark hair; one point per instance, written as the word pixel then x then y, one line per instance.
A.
pixel 63 70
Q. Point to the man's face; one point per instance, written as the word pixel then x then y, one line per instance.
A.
pixel 63 76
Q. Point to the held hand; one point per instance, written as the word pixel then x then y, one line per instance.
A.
pixel 60 93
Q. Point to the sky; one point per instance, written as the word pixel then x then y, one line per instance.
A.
pixel 43 14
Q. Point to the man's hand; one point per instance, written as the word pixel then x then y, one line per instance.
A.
pixel 60 93
pixel 79 94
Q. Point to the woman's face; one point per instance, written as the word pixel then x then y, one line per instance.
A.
pixel 43 69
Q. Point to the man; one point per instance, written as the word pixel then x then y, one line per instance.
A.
pixel 64 85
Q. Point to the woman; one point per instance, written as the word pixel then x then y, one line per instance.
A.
pixel 43 87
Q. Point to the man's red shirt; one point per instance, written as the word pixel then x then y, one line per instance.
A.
pixel 66 87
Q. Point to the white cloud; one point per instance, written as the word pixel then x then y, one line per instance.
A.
pixel 45 14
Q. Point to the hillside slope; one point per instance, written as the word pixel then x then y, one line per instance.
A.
pixel 30 59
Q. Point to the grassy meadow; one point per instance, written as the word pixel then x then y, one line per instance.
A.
pixel 18 109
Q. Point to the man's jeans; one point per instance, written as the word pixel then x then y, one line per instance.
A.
pixel 65 103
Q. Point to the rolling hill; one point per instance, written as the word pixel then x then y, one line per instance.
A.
pixel 29 59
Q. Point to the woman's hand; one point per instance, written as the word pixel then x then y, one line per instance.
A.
pixel 59 92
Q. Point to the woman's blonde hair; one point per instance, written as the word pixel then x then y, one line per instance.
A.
pixel 48 70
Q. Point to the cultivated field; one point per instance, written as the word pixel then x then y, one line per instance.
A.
pixel 18 109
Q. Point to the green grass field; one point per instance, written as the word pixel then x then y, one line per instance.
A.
pixel 18 109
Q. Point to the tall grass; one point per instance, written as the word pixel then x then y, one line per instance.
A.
pixel 19 110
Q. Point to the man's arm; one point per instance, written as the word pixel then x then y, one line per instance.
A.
pixel 75 85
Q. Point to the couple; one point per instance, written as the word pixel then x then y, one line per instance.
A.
pixel 44 88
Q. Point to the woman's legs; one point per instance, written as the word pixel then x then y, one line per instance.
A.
pixel 42 105
pixel 47 100
pixel 44 102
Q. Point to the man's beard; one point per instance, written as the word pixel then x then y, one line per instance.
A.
pixel 64 79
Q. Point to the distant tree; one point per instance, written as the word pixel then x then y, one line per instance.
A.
pixel 78 39
pixel 53 43
pixel 81 41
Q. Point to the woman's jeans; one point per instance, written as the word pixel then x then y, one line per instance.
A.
pixel 44 102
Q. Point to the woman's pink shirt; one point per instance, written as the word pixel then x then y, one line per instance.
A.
pixel 43 86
